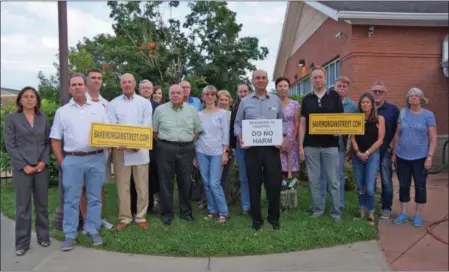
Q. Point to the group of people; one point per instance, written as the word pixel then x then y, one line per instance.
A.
pixel 207 134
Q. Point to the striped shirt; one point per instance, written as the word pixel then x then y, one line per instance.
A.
pixel 134 111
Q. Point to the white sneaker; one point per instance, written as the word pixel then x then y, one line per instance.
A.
pixel 106 224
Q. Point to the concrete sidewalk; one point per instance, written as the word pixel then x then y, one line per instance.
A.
pixel 414 249
pixel 363 256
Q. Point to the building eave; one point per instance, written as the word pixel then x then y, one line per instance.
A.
pixel 330 12
pixel 394 18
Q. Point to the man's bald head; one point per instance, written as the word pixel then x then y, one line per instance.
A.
pixel 175 94
pixel 260 80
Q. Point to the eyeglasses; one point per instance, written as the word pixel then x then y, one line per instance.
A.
pixel 209 94
pixel 378 91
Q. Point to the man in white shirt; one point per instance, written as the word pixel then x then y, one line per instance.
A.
pixel 94 83
pixel 82 164
pixel 131 109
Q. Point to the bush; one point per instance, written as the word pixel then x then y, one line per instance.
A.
pixel 47 107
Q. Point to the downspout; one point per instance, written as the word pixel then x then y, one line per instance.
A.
pixel 444 61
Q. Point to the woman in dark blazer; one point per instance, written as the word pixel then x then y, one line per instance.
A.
pixel 26 135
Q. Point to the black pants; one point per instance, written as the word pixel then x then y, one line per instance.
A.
pixel 153 183
pixel 175 158
pixel 263 165
pixel 25 186
pixel 406 169
pixel 226 177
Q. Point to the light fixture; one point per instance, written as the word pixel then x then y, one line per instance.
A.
pixel 301 62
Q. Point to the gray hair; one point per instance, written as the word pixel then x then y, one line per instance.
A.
pixel 418 92
pixel 209 88
pixel 77 75
pixel 379 83
pixel 145 81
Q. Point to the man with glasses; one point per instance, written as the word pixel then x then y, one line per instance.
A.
pixel 390 113
pixel 320 151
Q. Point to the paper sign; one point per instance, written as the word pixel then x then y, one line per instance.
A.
pixel 337 123
pixel 262 132
pixel 113 135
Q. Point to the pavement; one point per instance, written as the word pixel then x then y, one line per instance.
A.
pixel 407 248
pixel 362 256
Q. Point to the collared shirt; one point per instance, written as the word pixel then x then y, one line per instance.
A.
pixel 72 124
pixel 329 103
pixel 348 107
pixel 176 125
pixel 100 100
pixel 134 111
pixel 253 107
pixel 196 103
pixel 390 113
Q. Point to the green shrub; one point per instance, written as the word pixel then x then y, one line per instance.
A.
pixel 47 107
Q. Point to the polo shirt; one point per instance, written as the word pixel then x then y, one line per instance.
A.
pixel 390 113
pixel 176 125
pixel 329 103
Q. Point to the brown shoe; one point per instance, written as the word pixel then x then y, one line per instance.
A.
pixel 122 226
pixel 143 225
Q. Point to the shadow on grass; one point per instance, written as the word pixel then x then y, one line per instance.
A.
pixel 299 231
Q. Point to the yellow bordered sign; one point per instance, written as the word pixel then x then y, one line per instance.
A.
pixel 337 123
pixel 113 135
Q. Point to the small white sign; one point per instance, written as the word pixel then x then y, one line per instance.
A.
pixel 262 132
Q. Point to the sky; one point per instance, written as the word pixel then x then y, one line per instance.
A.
pixel 29 33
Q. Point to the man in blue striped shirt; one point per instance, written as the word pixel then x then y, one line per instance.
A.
pixel 191 100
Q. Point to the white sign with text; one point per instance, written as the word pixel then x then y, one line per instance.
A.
pixel 262 132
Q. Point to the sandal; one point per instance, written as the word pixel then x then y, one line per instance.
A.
pixel 209 216
pixel 223 219
pixel 371 221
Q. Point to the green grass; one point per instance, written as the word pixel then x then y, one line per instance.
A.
pixel 299 231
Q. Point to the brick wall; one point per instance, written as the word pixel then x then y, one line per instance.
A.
pixel 319 49
pixel 401 57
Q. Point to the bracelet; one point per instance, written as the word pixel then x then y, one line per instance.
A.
pixel 367 152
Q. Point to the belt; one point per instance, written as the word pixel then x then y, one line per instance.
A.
pixel 176 143
pixel 83 154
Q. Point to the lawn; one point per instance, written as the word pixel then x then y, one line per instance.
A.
pixel 299 231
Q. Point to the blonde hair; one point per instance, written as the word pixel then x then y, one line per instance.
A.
pixel 344 80
pixel 211 89
pixel 418 92
pixel 225 93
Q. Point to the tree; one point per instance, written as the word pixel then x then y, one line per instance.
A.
pixel 206 49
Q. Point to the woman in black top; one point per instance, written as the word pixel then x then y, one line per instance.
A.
pixel 365 158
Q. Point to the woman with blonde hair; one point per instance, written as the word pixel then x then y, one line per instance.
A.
pixel 211 153
pixel 415 143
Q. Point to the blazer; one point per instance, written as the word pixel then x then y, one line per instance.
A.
pixel 25 144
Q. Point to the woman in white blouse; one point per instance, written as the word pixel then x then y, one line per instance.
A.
pixel 212 153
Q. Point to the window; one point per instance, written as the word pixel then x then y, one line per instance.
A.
pixel 332 73
pixel 303 87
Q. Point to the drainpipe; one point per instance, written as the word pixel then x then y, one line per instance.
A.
pixel 444 62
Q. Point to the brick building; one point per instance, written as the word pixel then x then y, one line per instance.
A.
pixel 399 43
pixel 8 94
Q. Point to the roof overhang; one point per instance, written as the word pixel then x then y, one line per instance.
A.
pixel 383 18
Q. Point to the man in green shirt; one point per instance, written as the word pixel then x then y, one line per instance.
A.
pixel 176 126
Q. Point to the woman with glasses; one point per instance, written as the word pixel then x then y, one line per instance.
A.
pixel 366 157
pixel 415 143
pixel 212 153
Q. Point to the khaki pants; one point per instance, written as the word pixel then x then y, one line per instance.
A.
pixel 122 175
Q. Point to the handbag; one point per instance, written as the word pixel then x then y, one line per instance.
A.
pixel 196 188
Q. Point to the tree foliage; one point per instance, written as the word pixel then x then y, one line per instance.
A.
pixel 205 49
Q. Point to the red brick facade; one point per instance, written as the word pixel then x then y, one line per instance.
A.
pixel 401 57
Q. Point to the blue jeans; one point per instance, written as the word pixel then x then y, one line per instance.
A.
pixel 323 161
pixel 365 175
pixel 211 169
pixel 244 187
pixel 386 176
pixel 341 178
pixel 76 172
